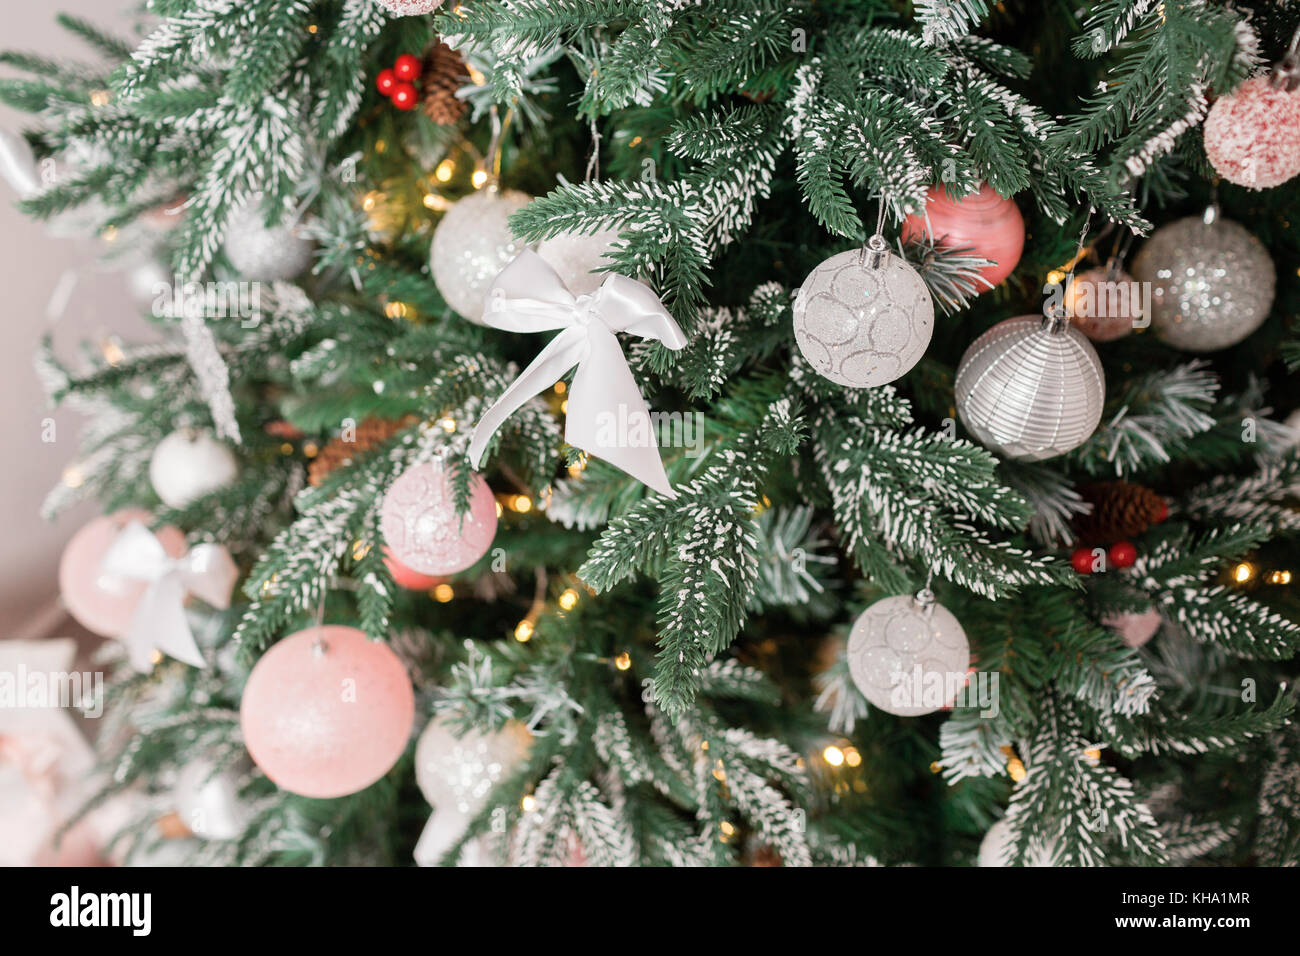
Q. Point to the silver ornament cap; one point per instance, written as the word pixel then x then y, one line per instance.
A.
pixel 1031 388
pixel 908 655
pixel 1212 283
pixel 863 318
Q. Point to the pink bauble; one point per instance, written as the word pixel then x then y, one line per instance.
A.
pixel 420 523
pixel 1135 629
pixel 329 720
pixel 101 602
pixel 984 222
pixel 1252 135
pixel 406 578
pixel 1103 304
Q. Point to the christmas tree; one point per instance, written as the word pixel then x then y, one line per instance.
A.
pixel 650 432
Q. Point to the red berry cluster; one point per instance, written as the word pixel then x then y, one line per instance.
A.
pixel 398 84
pixel 1120 555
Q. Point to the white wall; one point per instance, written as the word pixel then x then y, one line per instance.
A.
pixel 31 264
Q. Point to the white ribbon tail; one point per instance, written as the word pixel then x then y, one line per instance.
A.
pixel 159 622
pixel 609 419
pixel 562 353
pixel 444 828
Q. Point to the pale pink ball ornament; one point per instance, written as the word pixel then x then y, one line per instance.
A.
pixel 1252 135
pixel 1133 628
pixel 101 602
pixel 984 222
pixel 327 712
pixel 404 577
pixel 1104 303
pixel 420 523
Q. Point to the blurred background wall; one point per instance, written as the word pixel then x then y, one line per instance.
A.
pixel 33 266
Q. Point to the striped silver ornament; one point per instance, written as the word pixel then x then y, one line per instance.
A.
pixel 1031 388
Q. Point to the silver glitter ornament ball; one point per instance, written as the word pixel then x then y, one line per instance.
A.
pixel 458 771
pixel 471 246
pixel 265 253
pixel 1031 388
pixel 574 256
pixel 908 655
pixel 1211 284
pixel 864 317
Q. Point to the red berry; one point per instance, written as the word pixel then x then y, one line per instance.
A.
pixel 1163 513
pixel 404 96
pixel 1082 559
pixel 386 82
pixel 1123 554
pixel 407 67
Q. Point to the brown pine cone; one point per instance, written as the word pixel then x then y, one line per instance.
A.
pixel 444 73
pixel 336 453
pixel 1120 510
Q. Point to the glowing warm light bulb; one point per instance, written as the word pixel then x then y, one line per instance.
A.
pixel 443 593
pixel 623 661
pixel 524 631
pixel 852 757
pixel 834 756
pixel 1243 572
pixel 446 169
pixel 479 178
pixel 448 425
pixel 522 503
pixel 528 804
pixel 569 599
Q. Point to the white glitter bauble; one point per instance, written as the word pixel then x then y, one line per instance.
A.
pixel 1031 388
pixel 208 803
pixel 263 253
pixel 995 849
pixel 457 773
pixel 1211 285
pixel 862 324
pixel 189 464
pixel 908 655
pixel 409 8
pixel 574 256
pixel 471 246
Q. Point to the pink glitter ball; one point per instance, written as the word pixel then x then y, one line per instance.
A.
pixel 404 577
pixel 420 523
pixel 330 720
pixel 1252 135
pixel 101 602
pixel 1102 305
pixel 984 222
pixel 1135 629
pixel 410 8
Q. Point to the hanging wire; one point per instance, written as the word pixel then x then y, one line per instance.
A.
pixel 593 161
pixel 492 160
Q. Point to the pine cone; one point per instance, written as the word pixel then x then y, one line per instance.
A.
pixel 337 452
pixel 444 73
pixel 1120 510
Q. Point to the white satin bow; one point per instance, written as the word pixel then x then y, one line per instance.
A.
pixel 528 296
pixel 159 621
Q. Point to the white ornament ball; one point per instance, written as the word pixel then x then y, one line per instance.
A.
pixel 574 257
pixel 457 772
pixel 995 849
pixel 263 253
pixel 409 8
pixel 189 464
pixel 1031 388
pixel 471 246
pixel 18 164
pixel 208 802
pixel 1211 284
pixel 863 325
pixel 908 655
